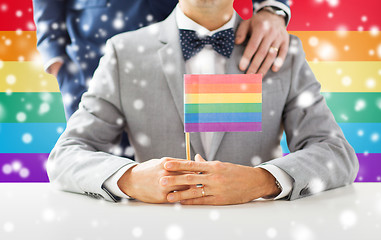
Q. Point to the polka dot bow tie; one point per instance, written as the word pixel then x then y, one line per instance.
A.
pixel 191 43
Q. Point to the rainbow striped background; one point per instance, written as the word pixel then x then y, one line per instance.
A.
pixel 222 103
pixel 342 44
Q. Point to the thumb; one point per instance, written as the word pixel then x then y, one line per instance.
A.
pixel 198 158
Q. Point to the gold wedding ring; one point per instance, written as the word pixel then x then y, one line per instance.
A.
pixel 274 49
pixel 202 191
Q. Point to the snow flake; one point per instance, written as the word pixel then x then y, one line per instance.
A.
pixel 330 165
pixel 24 173
pixel 271 232
pixel 8 42
pixel 21 117
pixel 153 29
pixel 46 97
pixel 330 15
pixel 305 99
pixel 214 215
pixel 16 166
pixel 278 62
pixel 129 152
pixel 4 7
pixel 379 103
pixel 143 139
pixel 379 51
pixel 348 219
pixel 85 27
pixel 360 133
pixel 7 169
pixel 333 3
pixel 67 99
pixel 60 130
pixel 118 23
pixel 360 105
pixel 374 31
pixel 27 138
pixel 143 83
pixel 370 83
pixel 346 81
pixel 316 185
pixel 344 117
pixel 116 150
pixel 10 79
pixel 364 18
pixel 44 108
pixel 8 227
pixel 140 49
pixel 48 215
pixel 326 51
pixel 374 137
pixel 174 232
pixel 302 232
pixel 360 28
pixel 256 160
pixel 55 26
pixel 169 68
pixel 137 232
pixel 119 121
pixel 138 104
pixel 149 18
pixel 19 13
pixel 104 18
pixel 371 52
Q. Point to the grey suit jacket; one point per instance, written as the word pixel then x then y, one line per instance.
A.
pixel 138 88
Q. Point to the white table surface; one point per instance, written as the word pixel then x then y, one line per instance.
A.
pixel 37 211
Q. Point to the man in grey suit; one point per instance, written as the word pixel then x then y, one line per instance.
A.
pixel 138 88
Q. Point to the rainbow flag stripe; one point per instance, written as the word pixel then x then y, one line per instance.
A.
pixel 223 103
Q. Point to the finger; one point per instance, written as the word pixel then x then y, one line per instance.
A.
pixel 260 55
pixel 192 192
pixel 242 31
pixel 187 166
pixel 209 200
pixel 186 179
pixel 270 58
pixel 283 49
pixel 198 158
pixel 251 48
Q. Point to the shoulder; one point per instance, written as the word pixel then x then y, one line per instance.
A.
pixel 146 36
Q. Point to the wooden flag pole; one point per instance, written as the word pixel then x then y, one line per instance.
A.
pixel 187 145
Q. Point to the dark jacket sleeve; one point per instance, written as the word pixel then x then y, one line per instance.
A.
pixel 52 36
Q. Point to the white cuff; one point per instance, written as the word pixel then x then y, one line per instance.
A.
pixel 52 61
pixel 111 184
pixel 272 3
pixel 282 177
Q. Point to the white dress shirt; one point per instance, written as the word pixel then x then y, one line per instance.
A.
pixel 207 61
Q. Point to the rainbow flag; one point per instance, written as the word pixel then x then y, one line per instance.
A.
pixel 342 41
pixel 223 103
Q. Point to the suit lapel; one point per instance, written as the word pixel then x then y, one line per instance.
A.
pixel 173 65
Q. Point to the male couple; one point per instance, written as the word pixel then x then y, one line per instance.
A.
pixel 138 88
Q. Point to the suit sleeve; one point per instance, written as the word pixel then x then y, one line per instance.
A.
pixel 52 36
pixel 320 157
pixel 81 161
pixel 281 4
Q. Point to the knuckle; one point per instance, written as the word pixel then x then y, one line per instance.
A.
pixel 194 193
pixel 189 177
pixel 217 165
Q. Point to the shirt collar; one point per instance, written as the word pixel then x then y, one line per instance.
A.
pixel 184 22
